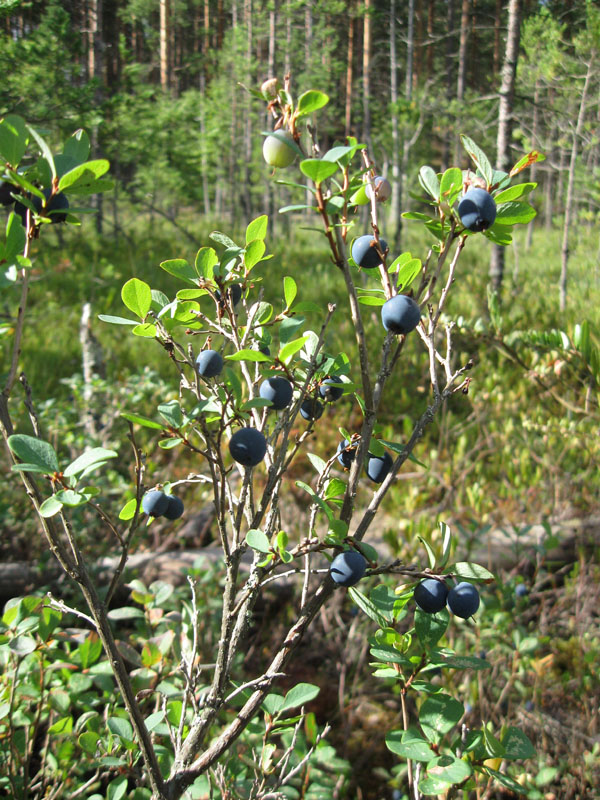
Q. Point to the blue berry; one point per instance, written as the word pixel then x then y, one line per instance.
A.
pixel 348 568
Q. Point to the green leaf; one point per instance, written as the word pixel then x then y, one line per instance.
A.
pixel 50 507
pixel 310 101
pixel 438 715
pixel 77 146
pixel 249 355
pixel 63 725
pixel 317 462
pixel 222 238
pixel 257 402
pixel 253 253
pixel 120 727
pixel 409 744
pixel 498 235
pixel 318 170
pixel 430 182
pixel 128 510
pixel 288 328
pixel 34 451
pixel 407 273
pixel 257 229
pixel 171 412
pixel 291 348
pixel 451 184
pixel 147 330
pixel 136 295
pixel 117 320
pixel 13 139
pixel 84 175
pixel 117 789
pixel 22 645
pixel 125 612
pixel 93 458
pixel 334 488
pixel 474 572
pixel 258 540
pixel 430 785
pixel 88 742
pixel 383 597
pixel 517 744
pixel 368 607
pixel 479 157
pixel 388 654
pixel 70 498
pixel 514 213
pixel 431 627
pixel 45 150
pixel 205 263
pixel 514 192
pixel 371 300
pixel 430 553
pixel 298 696
pixel 179 268
pixel 505 780
pixel 290 289
pixel 15 240
pixel 143 421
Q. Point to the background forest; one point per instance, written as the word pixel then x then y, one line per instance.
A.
pixel 164 89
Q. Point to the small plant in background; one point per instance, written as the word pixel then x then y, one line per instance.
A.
pixel 253 384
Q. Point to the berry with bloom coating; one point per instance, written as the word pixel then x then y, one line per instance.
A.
pixel 383 189
pixel 364 251
pixel 377 467
pixel 311 409
pixel 209 363
pixel 278 151
pixel 400 314
pixel 348 568
pixel 328 389
pixel 430 595
pixel 155 503
pixel 477 210
pixel 174 508
pixel 278 390
pixel 463 600
pixel 521 590
pixel 248 447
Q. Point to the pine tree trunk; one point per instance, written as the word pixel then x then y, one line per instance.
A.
pixel 461 77
pixel 534 137
pixel 366 98
pixel 349 70
pixel 164 44
pixel 449 64
pixel 96 72
pixel 410 48
pixel 505 110
pixel 395 210
pixel 562 285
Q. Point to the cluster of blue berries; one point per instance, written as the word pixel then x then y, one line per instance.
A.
pixel 432 595
pixel 158 504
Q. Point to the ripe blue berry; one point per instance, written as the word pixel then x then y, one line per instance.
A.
pixel 209 363
pixel 400 314
pixel 346 453
pixel 278 390
pixel 311 408
pixel 155 503
pixel 248 447
pixel 348 568
pixel 521 590
pixel 463 600
pixel 233 295
pixel 477 210
pixel 430 595
pixel 174 508
pixel 328 389
pixel 377 467
pixel 364 251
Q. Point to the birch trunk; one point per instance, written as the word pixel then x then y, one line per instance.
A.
pixel 505 110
